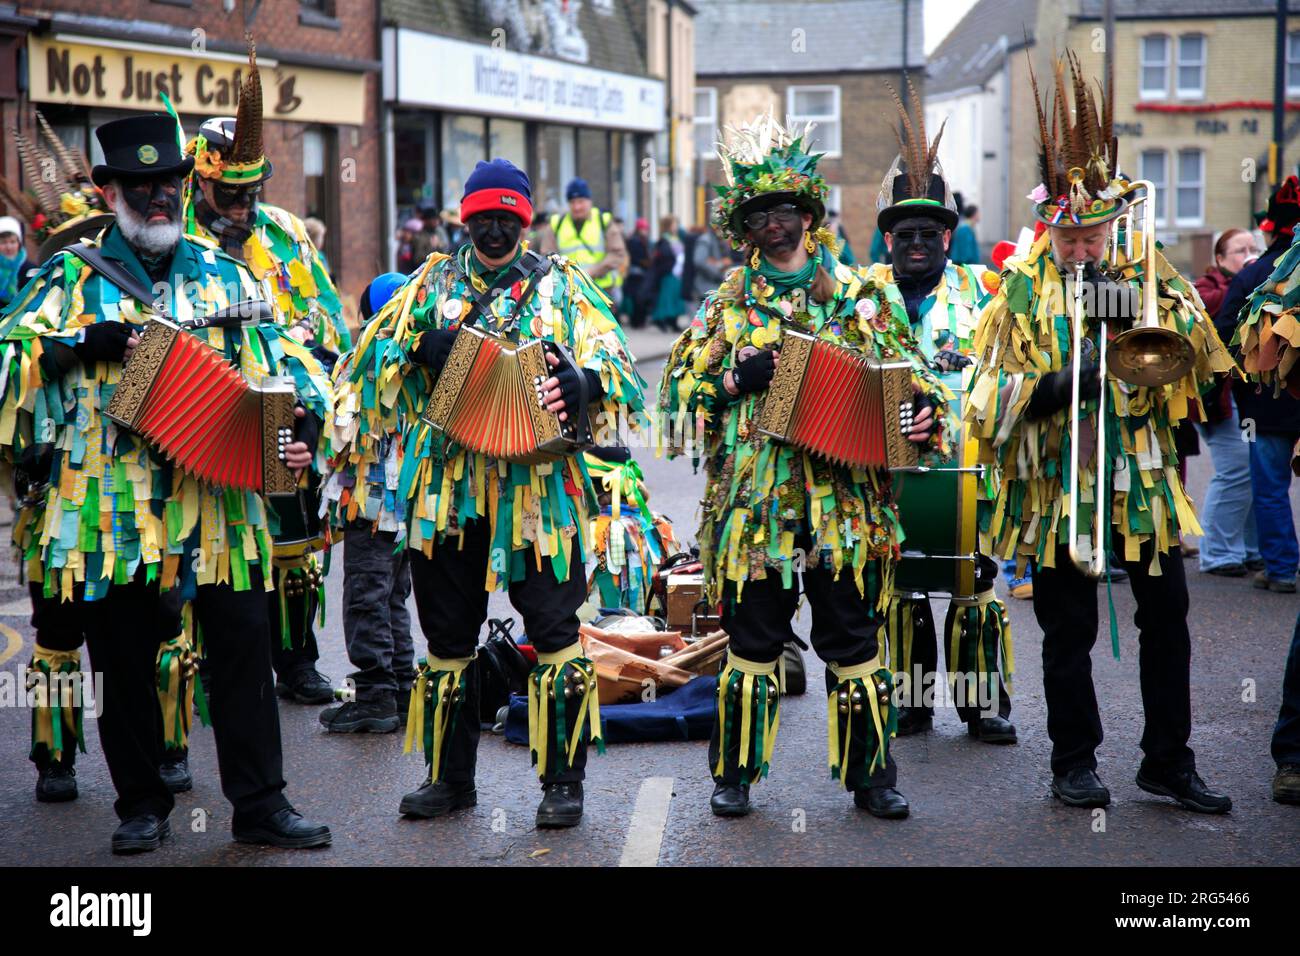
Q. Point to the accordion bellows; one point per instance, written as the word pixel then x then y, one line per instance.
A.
pixel 840 404
pixel 486 400
pixel 181 395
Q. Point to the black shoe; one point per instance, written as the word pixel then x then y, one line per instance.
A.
pixel 285 828
pixel 884 802
pixel 730 800
pixel 1255 564
pixel 307 686
pixel 1265 583
pixel 1187 787
pixel 438 799
pixel 992 730
pixel 1286 783
pixel 561 805
pixel 357 717
pixel 1080 787
pixel 56 782
pixel 1233 570
pixel 913 720
pixel 175 772
pixel 140 834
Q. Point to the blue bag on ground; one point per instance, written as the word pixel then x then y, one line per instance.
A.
pixel 684 714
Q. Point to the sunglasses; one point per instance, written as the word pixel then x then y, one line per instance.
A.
pixel 907 236
pixel 236 195
pixel 785 214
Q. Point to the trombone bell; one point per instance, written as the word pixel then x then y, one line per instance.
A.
pixel 1151 356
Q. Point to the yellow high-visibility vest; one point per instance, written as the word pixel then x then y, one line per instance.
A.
pixel 585 246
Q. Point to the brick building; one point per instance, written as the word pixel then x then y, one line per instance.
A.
pixel 84 62
pixel 826 61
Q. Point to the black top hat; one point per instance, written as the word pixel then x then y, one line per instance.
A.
pixel 904 205
pixel 140 146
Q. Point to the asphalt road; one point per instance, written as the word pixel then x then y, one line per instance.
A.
pixel 971 803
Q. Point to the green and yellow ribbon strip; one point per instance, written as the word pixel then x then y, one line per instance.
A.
pixel 874 686
pixel 436 698
pixel 751 691
pixel 554 734
pixel 55 716
pixel 179 686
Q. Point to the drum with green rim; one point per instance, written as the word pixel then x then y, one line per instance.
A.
pixel 936 506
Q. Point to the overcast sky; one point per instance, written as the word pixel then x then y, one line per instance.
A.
pixel 940 17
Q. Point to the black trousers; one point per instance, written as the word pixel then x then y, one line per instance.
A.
pixel 57 623
pixel 845 631
pixel 123 631
pixel 452 603
pixel 1065 603
pixel 302 652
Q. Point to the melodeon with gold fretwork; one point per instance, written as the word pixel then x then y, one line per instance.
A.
pixel 183 396
pixel 488 399
pixel 840 404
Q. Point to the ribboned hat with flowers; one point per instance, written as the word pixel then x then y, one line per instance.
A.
pixel 1081 184
pixel 766 165
pixel 229 149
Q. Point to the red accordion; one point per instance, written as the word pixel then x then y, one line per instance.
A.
pixel 840 404
pixel 488 399
pixel 181 395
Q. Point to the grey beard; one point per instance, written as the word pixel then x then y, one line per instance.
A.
pixel 150 239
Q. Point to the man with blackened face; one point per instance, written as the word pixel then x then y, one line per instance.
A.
pixel 916 213
pixel 477 523
pixel 773 508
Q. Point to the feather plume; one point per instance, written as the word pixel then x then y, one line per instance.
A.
pixel 918 153
pixel 1046 139
pixel 76 170
pixel 247 147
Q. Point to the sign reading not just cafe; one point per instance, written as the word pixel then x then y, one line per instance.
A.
pixel 89 72
pixel 421 69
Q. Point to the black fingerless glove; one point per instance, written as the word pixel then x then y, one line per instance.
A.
pixel 433 349
pixel 307 430
pixel 950 360
pixel 570 378
pixel 753 374
pixel 103 342
pixel 1055 389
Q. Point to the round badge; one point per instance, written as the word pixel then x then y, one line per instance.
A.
pixel 451 309
pixel 866 309
pixel 546 285
pixel 843 273
pixel 147 154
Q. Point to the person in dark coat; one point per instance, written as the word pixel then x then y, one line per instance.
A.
pixel 1272 423
pixel 636 294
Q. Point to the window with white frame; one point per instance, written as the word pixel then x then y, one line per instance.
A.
pixel 1293 64
pixel 1191 66
pixel 819 105
pixel 1155 67
pixel 706 121
pixel 1189 197
pixel 1153 166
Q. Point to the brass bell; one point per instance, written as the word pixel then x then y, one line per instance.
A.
pixel 844 707
pixel 857 695
pixel 857 708
pixel 844 696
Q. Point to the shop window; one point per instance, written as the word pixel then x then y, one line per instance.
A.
pixel 320 187
pixel 464 143
pixel 1154 167
pixel 706 121
pixel 1189 202
pixel 1293 64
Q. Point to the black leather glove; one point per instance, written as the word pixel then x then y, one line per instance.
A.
pixel 753 374
pixel 433 349
pixel 950 360
pixel 1055 389
pixel 307 429
pixel 103 342
pixel 1104 298
pixel 908 417
pixel 32 467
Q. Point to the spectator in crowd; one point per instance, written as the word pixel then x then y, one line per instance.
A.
pixel 591 238
pixel 836 227
pixel 316 233
pixel 711 263
pixel 1229 547
pixel 406 261
pixel 13 259
pixel 965 249
pixel 1272 422
pixel 431 237
pixel 666 272
pixel 637 285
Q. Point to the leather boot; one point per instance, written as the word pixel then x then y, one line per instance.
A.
pixel 561 805
pixel 730 800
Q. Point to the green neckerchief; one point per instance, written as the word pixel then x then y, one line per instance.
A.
pixel 471 263
pixel 783 282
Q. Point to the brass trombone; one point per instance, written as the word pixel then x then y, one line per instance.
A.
pixel 1146 354
pixel 1094 564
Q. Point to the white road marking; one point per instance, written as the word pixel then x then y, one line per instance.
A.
pixel 645 834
